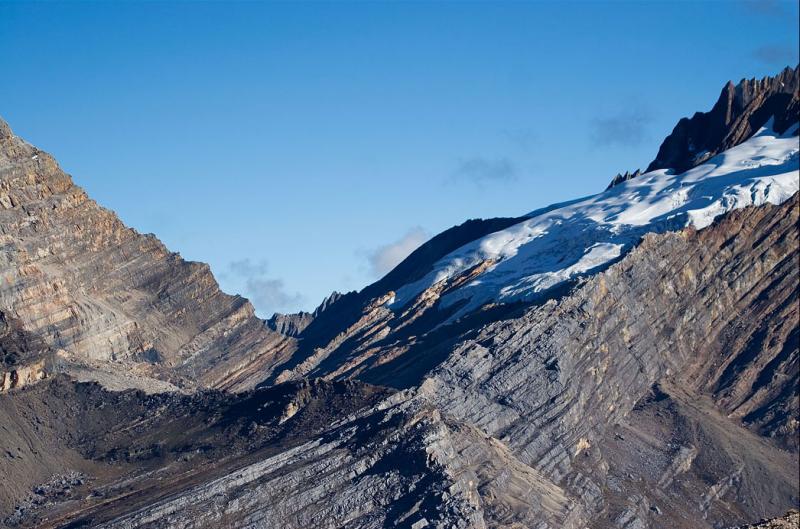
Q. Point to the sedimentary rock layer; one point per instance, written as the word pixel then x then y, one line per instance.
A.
pixel 101 296
pixel 614 406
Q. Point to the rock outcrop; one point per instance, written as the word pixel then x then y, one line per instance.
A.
pixel 24 357
pixel 628 402
pixel 110 299
pixel 710 315
pixel 349 455
pixel 790 521
pixel 623 177
pixel 294 324
pixel 740 111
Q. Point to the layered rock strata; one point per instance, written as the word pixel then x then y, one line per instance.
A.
pixel 108 298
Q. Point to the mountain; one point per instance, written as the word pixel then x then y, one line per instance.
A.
pixel 106 302
pixel 625 360
pixel 741 110
pixel 531 259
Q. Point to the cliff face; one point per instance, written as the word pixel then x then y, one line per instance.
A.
pixel 692 336
pixel 740 111
pixel 24 357
pixel 106 299
pixel 418 316
pixel 714 311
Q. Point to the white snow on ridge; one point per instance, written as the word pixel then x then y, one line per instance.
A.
pixel 584 236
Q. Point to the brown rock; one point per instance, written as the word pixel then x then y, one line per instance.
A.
pixel 115 300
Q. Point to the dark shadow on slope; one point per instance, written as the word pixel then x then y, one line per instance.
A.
pixel 347 309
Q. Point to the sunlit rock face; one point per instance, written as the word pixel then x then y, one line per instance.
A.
pixel 628 400
pixel 106 299
pixel 538 258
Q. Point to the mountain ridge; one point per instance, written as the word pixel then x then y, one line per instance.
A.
pixel 153 313
pixel 739 112
pixel 652 386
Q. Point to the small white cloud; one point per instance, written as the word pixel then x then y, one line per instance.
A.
pixel 267 294
pixel 383 259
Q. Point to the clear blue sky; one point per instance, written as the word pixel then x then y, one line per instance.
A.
pixel 291 145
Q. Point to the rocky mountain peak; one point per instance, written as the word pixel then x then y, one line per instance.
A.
pixel 106 302
pixel 623 177
pixel 623 360
pixel 5 130
pixel 294 324
pixel 739 112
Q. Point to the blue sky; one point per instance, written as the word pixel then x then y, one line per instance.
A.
pixel 301 148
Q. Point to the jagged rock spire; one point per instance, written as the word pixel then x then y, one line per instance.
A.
pixel 738 114
pixel 623 177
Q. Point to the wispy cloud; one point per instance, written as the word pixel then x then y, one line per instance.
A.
pixel 482 171
pixel 383 259
pixel 772 8
pixel 525 139
pixel 267 294
pixel 626 129
pixel 776 54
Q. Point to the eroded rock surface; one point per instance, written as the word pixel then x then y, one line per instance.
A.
pixel 345 455
pixel 790 521
pixel 614 406
pixel 108 298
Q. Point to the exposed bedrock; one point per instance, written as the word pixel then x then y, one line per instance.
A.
pixel 660 392
pixel 305 454
pixel 112 300
pixel 738 114
pixel 711 313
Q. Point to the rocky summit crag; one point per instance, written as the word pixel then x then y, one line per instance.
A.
pixel 740 111
pixel 624 361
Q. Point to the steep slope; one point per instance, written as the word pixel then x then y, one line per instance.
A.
pixel 684 309
pixel 603 409
pixel 529 258
pixel 541 257
pixel 624 360
pixel 466 271
pixel 106 300
pixel 298 455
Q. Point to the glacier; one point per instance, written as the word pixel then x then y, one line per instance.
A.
pixel 566 241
